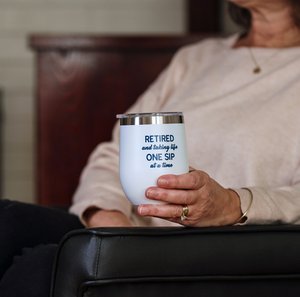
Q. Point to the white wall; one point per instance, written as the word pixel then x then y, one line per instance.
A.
pixel 18 19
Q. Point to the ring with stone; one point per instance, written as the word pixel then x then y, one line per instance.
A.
pixel 185 212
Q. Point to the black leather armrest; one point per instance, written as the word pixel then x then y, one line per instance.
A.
pixel 223 261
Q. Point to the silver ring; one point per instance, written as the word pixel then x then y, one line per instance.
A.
pixel 185 212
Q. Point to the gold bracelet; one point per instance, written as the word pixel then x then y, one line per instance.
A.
pixel 245 213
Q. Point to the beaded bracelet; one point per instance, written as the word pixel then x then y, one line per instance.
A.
pixel 245 213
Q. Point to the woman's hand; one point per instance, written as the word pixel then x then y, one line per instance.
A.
pixel 95 217
pixel 208 202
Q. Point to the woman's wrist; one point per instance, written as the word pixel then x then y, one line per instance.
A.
pixel 243 217
pixel 88 214
pixel 236 210
pixel 96 217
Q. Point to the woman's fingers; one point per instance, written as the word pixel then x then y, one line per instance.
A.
pixel 172 196
pixel 190 181
pixel 168 211
pixel 179 189
pixel 171 212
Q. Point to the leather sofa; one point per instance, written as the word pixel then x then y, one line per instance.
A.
pixel 216 261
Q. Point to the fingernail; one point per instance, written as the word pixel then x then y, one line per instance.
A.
pixel 151 193
pixel 162 182
pixel 144 210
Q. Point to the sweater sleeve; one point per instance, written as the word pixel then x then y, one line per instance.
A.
pixel 99 184
pixel 273 205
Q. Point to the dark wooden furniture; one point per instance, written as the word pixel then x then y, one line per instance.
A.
pixel 204 16
pixel 82 82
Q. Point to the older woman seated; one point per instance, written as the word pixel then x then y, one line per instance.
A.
pixel 240 97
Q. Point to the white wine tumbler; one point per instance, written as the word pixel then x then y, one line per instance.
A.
pixel 151 145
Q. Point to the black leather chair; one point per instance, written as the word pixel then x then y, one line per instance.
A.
pixel 224 261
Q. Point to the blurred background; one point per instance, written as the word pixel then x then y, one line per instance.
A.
pixel 21 18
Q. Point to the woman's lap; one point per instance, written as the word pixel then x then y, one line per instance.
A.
pixel 30 273
pixel 36 228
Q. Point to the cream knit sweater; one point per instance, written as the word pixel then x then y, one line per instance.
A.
pixel 243 129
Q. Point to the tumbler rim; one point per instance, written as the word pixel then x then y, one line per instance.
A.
pixel 151 118
pixel 148 114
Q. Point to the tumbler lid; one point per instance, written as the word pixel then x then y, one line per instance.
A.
pixel 153 118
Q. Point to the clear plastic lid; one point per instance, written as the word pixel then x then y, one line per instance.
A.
pixel 153 118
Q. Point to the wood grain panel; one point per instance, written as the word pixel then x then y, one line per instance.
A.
pixel 204 16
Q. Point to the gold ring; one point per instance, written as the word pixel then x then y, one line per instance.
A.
pixel 185 212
